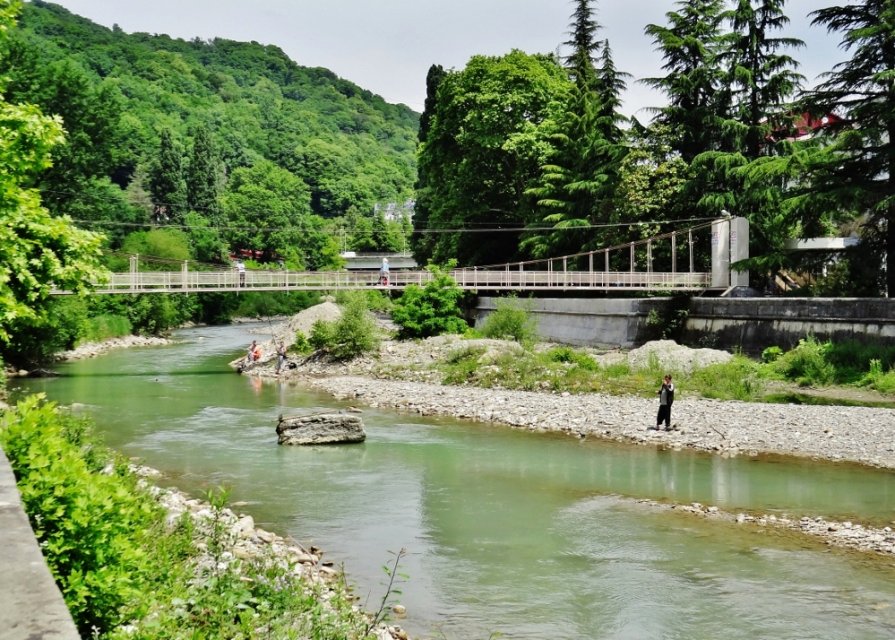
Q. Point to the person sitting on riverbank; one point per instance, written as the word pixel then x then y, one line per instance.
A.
pixel 253 354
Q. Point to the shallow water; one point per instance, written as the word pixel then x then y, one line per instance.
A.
pixel 531 535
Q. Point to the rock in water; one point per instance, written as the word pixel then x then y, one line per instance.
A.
pixel 321 428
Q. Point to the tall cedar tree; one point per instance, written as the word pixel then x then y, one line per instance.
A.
pixel 421 242
pixel 856 173
pixel 761 82
pixel 202 178
pixel 577 182
pixel 688 45
pixel 166 183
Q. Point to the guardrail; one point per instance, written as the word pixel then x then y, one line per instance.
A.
pixel 510 279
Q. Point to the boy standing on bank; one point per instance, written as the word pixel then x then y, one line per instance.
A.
pixel 666 399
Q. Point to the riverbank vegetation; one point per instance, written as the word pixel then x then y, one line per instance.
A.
pixel 838 371
pixel 126 571
pixel 849 372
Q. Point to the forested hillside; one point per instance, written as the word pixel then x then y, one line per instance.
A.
pixel 199 150
pixel 117 93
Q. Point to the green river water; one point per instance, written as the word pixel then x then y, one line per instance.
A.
pixel 529 535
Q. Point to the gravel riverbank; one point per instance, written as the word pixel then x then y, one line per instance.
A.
pixel 94 349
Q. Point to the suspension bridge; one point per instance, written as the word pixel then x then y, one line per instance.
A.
pixel 587 271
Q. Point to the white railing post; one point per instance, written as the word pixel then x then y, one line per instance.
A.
pixel 134 262
pixel 673 252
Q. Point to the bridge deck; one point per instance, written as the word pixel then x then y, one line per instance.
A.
pixel 471 279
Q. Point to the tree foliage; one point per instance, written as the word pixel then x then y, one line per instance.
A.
pixel 852 171
pixel 692 85
pixel 37 251
pixel 481 153
pixel 574 191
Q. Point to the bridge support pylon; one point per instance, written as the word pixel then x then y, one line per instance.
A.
pixel 730 244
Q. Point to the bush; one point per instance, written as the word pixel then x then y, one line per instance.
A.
pixel 807 363
pixel 431 310
pixel 106 326
pixel 352 335
pixel 116 561
pixel 853 360
pixel 877 378
pixel 92 524
pixel 301 344
pixel 323 334
pixel 36 341
pixel 512 319
pixel 571 356
pixel 736 379
pixel 771 354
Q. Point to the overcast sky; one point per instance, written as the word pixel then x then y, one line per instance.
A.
pixel 387 46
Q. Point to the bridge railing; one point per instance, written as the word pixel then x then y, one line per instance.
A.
pixel 469 278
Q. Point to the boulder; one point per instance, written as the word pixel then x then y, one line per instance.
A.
pixel 321 428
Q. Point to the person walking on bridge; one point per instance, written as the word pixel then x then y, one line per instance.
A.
pixel 384 272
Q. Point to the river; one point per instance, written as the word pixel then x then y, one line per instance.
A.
pixel 529 535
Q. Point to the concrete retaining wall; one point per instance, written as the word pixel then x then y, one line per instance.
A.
pixel 747 324
pixel 31 607
pixel 583 321
pixel 753 324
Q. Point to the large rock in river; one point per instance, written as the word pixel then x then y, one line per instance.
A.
pixel 321 428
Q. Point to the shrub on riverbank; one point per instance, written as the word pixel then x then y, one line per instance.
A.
pixel 124 573
pixel 815 363
pixel 352 335
pixel 565 368
pixel 106 327
pixel 430 310
pixel 511 319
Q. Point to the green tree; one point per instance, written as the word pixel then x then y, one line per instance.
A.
pixel 692 84
pixel 576 184
pixel 423 242
pixel 652 179
pixel 37 251
pixel 852 171
pixel 481 154
pixel 202 177
pixel 166 182
pixel 762 82
pixel 268 210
